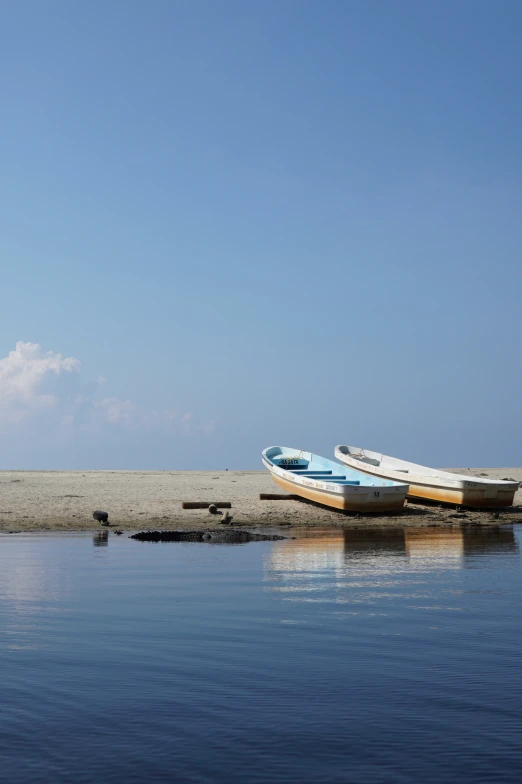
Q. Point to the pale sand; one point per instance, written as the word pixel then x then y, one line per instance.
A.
pixel 65 500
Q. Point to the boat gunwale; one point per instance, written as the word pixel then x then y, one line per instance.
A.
pixel 333 489
pixel 448 480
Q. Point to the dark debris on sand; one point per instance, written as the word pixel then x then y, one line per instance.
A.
pixel 218 537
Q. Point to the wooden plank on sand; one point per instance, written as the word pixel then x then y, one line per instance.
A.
pixel 205 504
pixel 278 497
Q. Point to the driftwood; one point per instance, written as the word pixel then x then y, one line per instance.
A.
pixel 278 497
pixel 214 537
pixel 205 504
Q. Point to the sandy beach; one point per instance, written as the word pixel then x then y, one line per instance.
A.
pixel 65 501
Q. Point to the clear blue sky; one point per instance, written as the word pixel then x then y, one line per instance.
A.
pixel 259 223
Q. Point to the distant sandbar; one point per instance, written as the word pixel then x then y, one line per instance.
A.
pixel 139 500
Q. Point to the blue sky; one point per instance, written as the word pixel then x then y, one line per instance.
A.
pixel 243 224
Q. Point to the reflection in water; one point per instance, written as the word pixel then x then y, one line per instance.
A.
pixel 425 548
pixel 101 539
pixel 478 540
pixel 30 588
pixel 435 547
pixel 26 580
pixel 450 544
pixel 316 554
pixel 360 541
pixel 365 669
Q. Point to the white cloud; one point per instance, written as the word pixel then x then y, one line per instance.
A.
pixel 30 384
pixel 207 428
pixel 116 411
pixel 23 373
pixel 169 416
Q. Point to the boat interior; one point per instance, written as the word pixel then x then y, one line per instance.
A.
pixel 388 463
pixel 320 468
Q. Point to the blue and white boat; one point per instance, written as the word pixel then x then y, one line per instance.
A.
pixel 330 483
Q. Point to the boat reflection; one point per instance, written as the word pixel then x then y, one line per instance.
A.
pixel 425 548
pixel 364 541
pixel 478 540
pixel 311 554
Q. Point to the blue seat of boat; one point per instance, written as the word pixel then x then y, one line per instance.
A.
pixel 347 482
pixel 332 478
pixel 302 471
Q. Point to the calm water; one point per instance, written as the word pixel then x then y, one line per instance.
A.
pixel 341 658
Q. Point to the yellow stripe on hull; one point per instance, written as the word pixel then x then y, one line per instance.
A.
pixel 473 498
pixel 345 503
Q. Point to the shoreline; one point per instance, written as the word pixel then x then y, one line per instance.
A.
pixel 58 501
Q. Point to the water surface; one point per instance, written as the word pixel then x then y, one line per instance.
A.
pixel 356 657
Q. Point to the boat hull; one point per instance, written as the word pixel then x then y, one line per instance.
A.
pixel 446 488
pixel 472 498
pixel 392 503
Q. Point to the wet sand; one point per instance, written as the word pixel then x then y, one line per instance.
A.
pixel 65 501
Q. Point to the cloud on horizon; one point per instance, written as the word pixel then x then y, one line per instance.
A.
pixel 23 374
pixel 32 388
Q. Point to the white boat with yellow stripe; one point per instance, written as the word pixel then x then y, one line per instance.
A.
pixel 430 484
pixel 326 482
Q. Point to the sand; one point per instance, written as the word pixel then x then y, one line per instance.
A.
pixel 65 500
